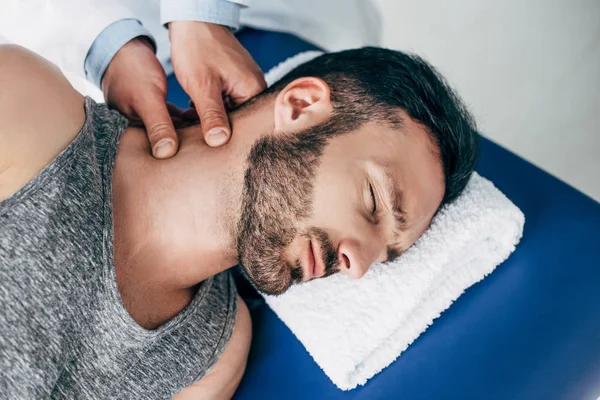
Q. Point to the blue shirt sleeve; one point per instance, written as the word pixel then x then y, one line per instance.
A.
pixel 221 12
pixel 108 42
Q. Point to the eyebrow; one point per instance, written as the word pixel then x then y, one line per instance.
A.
pixel 400 216
pixel 396 197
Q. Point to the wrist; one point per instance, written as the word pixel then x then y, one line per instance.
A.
pixel 140 43
pixel 134 49
pixel 108 42
pixel 144 41
pixel 197 28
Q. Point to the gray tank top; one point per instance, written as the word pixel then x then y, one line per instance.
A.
pixel 64 332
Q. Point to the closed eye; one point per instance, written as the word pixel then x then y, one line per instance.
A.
pixel 373 200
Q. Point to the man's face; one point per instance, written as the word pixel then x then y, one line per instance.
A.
pixel 315 206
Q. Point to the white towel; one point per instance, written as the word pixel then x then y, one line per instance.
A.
pixel 355 328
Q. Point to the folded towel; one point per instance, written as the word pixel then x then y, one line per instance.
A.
pixel 355 328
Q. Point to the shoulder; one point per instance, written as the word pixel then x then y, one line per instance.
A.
pixel 40 114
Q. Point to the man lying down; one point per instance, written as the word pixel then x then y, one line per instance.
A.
pixel 113 264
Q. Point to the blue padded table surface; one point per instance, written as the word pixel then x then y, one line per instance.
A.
pixel 530 330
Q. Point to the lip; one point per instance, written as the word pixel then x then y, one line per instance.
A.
pixel 319 265
pixel 310 262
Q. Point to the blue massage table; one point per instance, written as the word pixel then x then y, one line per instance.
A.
pixel 531 330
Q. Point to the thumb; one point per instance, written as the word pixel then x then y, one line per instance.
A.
pixel 213 118
pixel 161 132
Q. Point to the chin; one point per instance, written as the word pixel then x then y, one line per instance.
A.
pixel 269 281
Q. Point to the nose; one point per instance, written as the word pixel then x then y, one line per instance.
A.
pixel 355 259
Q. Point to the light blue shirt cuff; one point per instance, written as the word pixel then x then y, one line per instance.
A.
pixel 221 12
pixel 108 42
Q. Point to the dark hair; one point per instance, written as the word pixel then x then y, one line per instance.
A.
pixel 373 83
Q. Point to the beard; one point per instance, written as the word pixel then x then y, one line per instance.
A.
pixel 278 195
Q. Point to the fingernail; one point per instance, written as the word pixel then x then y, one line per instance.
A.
pixel 217 136
pixel 163 149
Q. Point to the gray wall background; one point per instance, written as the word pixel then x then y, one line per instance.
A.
pixel 528 69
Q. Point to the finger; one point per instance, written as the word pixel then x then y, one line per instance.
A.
pixel 161 132
pixel 213 119
pixel 251 87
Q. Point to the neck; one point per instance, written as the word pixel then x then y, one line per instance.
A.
pixel 175 220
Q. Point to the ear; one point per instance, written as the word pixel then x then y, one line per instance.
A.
pixel 303 103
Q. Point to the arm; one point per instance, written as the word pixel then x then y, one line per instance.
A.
pixel 109 42
pixel 40 114
pixel 135 84
pixel 118 33
pixel 222 380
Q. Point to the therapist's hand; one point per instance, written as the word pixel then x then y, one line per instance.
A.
pixel 135 84
pixel 215 71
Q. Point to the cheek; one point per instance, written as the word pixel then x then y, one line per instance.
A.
pixel 336 204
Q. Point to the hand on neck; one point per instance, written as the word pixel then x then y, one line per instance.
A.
pixel 183 211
